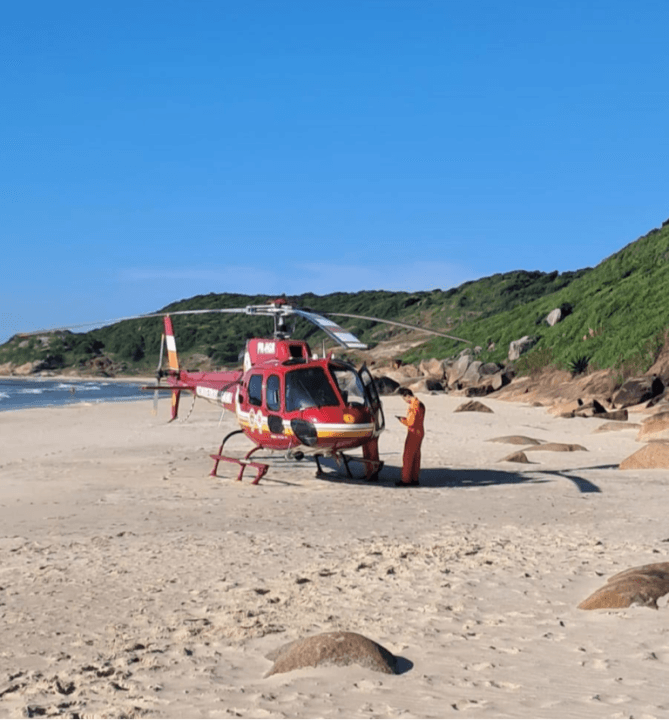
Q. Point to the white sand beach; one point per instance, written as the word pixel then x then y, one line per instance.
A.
pixel 132 584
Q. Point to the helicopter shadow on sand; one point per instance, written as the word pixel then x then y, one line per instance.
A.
pixel 466 477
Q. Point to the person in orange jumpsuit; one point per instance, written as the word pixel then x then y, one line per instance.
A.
pixel 415 431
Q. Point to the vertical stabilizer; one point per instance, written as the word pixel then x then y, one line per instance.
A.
pixel 172 358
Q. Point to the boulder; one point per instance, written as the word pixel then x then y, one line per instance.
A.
pixel 425 385
pixel 456 369
pixel 516 440
pixel 654 427
pixel 554 317
pixel 641 585
pixel 473 406
pixel 490 368
pixel 616 425
pixel 472 375
pixel 655 455
pixel 518 347
pixel 589 409
pixel 332 648
pixel 434 368
pixel 638 390
pixel 517 457
pixel 385 385
pixel 618 415
pixel 557 447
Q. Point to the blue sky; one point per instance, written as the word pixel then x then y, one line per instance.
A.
pixel 152 151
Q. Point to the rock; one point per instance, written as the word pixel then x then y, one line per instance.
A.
pixel 591 408
pixel 564 409
pixel 557 447
pixel 652 456
pixel 641 585
pixel 662 399
pixel 27 368
pixel 620 415
pixel 403 373
pixel 518 347
pixel 638 390
pixel 654 427
pixel 385 385
pixel 518 457
pixel 616 425
pixel 472 375
pixel 473 406
pixel 434 368
pixel 490 368
pixel 554 317
pixel 425 385
pixel 456 369
pixel 332 648
pixel 516 440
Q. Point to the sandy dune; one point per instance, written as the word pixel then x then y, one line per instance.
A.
pixel 133 585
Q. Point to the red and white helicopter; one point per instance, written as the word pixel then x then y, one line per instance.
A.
pixel 285 398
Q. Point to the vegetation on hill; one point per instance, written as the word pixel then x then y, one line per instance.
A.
pixel 613 316
pixel 616 314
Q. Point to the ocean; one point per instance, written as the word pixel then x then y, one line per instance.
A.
pixel 44 392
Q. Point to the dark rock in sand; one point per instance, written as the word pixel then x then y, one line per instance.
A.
pixel 332 648
pixel 557 447
pixel 516 440
pixel 473 406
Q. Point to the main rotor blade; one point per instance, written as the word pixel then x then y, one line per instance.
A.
pixel 103 323
pixel 400 324
pixel 332 330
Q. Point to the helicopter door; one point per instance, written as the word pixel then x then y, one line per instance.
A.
pixel 373 398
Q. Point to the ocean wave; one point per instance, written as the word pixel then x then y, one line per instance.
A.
pixel 4 396
pixel 29 391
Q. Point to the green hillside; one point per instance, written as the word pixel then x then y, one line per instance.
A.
pixel 617 306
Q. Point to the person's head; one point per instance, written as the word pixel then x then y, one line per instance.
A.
pixel 406 394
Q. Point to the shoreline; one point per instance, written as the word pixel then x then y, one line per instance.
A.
pixel 78 378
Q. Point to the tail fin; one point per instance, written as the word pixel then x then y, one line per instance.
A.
pixel 172 357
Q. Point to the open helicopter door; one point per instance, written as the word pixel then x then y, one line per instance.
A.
pixel 373 398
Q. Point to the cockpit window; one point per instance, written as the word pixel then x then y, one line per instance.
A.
pixel 308 387
pixel 349 384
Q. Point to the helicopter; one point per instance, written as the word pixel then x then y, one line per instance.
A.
pixel 286 398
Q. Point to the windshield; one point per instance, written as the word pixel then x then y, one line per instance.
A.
pixel 308 387
pixel 349 384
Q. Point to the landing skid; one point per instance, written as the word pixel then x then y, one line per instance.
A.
pixel 261 468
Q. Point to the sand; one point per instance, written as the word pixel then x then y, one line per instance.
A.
pixel 134 585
